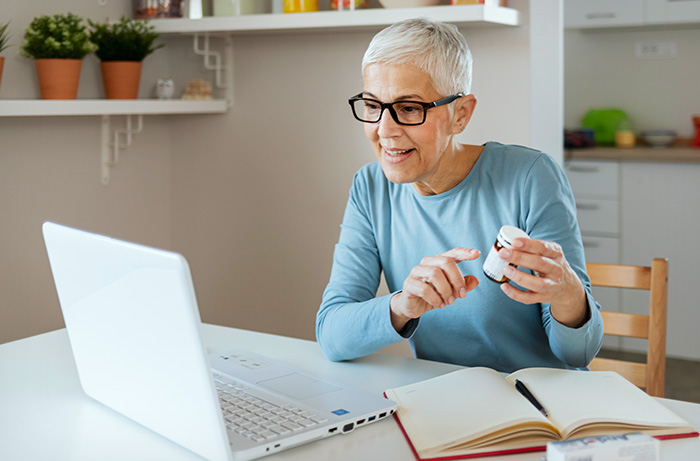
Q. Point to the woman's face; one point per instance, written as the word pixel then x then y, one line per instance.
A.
pixel 419 154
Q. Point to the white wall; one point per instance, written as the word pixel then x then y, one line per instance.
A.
pixel 601 71
pixel 253 198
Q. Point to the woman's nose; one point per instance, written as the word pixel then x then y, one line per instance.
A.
pixel 387 126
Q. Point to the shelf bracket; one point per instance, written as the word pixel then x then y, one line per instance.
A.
pixel 110 149
pixel 213 60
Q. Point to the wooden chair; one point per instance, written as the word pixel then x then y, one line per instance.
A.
pixel 650 375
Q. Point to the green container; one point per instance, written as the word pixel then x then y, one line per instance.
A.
pixel 604 123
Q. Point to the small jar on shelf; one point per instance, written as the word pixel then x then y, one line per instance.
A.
pixel 300 6
pixel 348 5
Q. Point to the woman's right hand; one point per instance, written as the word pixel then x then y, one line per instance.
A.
pixel 433 284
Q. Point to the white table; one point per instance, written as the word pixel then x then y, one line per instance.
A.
pixel 44 414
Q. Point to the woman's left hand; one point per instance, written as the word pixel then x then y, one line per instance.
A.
pixel 553 282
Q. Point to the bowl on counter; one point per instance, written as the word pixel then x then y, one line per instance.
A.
pixel 408 3
pixel 658 138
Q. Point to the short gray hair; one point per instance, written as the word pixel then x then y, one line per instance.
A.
pixel 437 48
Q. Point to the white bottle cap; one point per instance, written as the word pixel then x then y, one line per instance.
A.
pixel 509 233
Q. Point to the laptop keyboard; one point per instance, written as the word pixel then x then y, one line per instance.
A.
pixel 256 418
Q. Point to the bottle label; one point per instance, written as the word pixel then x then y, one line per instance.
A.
pixel 493 266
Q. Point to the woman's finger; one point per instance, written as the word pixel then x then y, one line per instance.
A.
pixel 439 278
pixel 462 254
pixel 421 296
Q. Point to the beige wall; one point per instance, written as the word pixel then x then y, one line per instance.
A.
pixel 259 193
pixel 253 198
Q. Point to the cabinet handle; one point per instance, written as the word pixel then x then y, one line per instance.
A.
pixel 583 169
pixel 590 244
pixel 601 15
pixel 587 206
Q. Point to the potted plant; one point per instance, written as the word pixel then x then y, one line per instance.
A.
pixel 121 48
pixel 4 37
pixel 58 45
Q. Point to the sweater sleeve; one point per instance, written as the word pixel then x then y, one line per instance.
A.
pixel 352 321
pixel 551 215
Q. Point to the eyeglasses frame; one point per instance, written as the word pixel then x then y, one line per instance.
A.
pixel 390 107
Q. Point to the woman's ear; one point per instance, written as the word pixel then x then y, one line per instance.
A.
pixel 464 108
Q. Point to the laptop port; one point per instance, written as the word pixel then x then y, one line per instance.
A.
pixel 381 415
pixel 371 418
pixel 360 421
pixel 348 427
pixel 332 430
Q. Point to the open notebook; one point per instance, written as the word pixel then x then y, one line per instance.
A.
pixel 478 412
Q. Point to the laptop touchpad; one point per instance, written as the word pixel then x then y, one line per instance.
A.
pixel 298 386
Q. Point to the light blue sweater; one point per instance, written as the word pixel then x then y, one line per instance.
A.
pixel 390 227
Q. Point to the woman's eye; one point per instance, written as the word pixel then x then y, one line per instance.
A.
pixel 410 109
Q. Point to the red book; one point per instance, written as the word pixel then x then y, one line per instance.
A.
pixel 479 412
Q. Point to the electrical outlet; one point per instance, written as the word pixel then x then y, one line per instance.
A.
pixel 655 49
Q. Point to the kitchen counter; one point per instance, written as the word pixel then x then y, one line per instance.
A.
pixel 681 154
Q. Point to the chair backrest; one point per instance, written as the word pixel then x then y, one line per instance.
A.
pixel 649 376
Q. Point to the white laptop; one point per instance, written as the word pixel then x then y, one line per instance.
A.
pixel 134 328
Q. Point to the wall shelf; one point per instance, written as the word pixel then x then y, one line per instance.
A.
pixel 40 108
pixel 364 19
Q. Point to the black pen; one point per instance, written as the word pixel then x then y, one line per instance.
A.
pixel 528 395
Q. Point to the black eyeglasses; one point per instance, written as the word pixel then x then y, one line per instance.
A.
pixel 403 112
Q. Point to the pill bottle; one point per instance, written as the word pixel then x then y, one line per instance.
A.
pixel 493 266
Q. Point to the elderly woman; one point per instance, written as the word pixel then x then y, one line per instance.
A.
pixel 430 208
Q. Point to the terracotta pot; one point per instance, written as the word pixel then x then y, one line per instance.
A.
pixel 121 79
pixel 2 62
pixel 58 78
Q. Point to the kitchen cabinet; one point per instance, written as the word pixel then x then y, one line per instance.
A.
pixel 603 13
pixel 657 216
pixel 672 11
pixel 596 189
pixel 590 14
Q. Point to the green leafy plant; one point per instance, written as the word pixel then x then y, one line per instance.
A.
pixel 126 40
pixel 4 37
pixel 61 36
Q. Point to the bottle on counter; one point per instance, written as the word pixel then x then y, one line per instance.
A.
pixel 624 136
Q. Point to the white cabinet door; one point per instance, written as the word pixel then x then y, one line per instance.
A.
pixel 672 11
pixel 593 179
pixel 660 206
pixel 598 216
pixel 603 13
pixel 596 189
pixel 604 250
